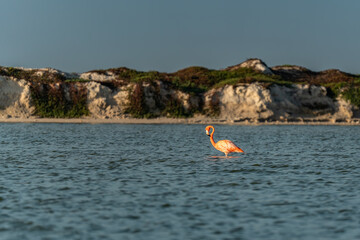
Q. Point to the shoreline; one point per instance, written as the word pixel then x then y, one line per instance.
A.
pixel 311 121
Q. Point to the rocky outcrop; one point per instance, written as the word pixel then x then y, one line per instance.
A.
pixel 255 102
pixel 104 102
pixel 95 76
pixel 15 99
pixel 241 102
pixel 344 111
pixel 253 63
pixel 301 100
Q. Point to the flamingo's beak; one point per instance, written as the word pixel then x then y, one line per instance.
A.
pixel 207 132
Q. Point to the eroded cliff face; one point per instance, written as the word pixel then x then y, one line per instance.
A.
pixel 15 99
pixel 240 102
pixel 252 102
pixel 106 102
pixel 243 102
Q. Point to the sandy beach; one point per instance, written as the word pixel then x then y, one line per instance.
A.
pixel 310 121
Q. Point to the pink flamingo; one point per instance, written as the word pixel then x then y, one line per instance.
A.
pixel 225 146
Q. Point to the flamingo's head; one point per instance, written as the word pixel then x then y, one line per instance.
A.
pixel 207 130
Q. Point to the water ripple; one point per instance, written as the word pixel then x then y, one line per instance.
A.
pixel 82 181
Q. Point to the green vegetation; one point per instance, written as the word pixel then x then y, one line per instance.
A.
pixel 187 86
pixel 137 107
pixel 32 75
pixel 48 93
pixel 353 95
pixel 15 72
pixel 349 91
pixel 214 106
pixel 357 80
pixel 334 89
pixel 174 109
pixel 131 75
pixel 195 80
pixel 50 100
pixel 287 65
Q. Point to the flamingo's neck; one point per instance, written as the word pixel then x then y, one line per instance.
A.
pixel 211 136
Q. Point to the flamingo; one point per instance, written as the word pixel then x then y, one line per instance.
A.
pixel 225 146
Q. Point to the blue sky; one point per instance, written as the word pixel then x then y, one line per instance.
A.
pixel 168 35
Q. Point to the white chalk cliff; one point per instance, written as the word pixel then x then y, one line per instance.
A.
pixel 241 102
pixel 15 100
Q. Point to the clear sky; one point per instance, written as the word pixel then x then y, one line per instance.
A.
pixel 168 35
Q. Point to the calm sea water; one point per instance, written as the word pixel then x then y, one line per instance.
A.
pixel 82 181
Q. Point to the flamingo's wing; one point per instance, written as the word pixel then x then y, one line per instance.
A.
pixel 227 146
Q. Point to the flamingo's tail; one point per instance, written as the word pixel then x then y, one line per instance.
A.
pixel 239 150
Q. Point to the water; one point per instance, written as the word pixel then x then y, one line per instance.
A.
pixel 82 181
